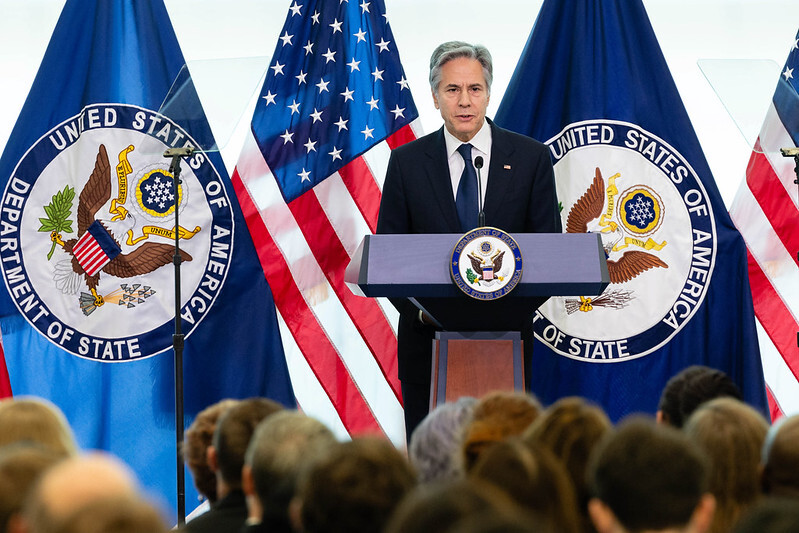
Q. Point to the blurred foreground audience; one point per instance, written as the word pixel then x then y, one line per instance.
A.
pixel 226 458
pixel 35 420
pixel 282 447
pixel 354 487
pixel 645 477
pixel 731 434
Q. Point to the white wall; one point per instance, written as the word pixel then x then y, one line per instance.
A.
pixel 688 31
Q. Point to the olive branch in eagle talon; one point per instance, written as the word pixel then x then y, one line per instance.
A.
pixel 58 211
pixel 140 261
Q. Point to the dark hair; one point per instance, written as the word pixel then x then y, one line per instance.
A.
pixel 283 444
pixel 690 388
pixel 355 487
pixel 197 439
pixel 650 476
pixel 534 478
pixel 771 515
pixel 439 505
pixel 781 458
pixel 233 433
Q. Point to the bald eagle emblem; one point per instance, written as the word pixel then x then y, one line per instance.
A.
pixel 97 249
pixel 640 213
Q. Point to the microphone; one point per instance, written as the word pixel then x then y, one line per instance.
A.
pixel 481 217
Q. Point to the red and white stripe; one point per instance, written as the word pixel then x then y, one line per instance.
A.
pixel 766 212
pixel 89 254
pixel 341 349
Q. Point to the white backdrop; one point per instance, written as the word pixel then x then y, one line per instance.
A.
pixel 689 31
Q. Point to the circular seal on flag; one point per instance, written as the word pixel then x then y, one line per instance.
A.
pixel 486 263
pixel 658 232
pixel 88 232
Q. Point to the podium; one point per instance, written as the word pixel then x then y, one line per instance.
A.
pixel 478 347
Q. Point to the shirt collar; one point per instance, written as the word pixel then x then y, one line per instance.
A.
pixel 481 140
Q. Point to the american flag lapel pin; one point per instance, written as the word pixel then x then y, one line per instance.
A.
pixel 506 167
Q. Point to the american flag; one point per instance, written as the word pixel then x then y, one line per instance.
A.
pixel 334 104
pixel 767 214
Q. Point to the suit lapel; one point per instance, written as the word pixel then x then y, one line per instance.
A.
pixel 500 173
pixel 438 176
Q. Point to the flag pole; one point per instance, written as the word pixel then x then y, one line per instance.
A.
pixel 177 339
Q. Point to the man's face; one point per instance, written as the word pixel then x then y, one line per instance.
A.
pixel 462 97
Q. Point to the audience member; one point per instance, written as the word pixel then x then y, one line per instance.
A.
pixel 780 459
pixel 493 522
pixel 21 465
pixel 355 487
pixel 496 416
pixel 226 458
pixel 770 515
pixel 571 428
pixel 282 446
pixel 534 478
pixel 732 435
pixel 120 514
pixel 197 440
pixel 690 388
pixel 435 444
pixel 645 477
pixel 439 505
pixel 73 483
pixel 31 419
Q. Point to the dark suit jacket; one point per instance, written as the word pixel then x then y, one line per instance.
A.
pixel 225 516
pixel 417 198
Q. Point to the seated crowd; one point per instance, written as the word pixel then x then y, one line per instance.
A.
pixel 706 462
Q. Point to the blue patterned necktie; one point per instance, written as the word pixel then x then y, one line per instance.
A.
pixel 466 197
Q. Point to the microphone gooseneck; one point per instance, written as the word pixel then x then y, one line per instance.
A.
pixel 481 217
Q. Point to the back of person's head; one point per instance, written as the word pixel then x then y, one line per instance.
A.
pixel 197 439
pixel 21 466
pixel 493 522
pixel 496 416
pixel 651 477
pixel 534 478
pixel 115 514
pixel 571 428
pixel 435 444
pixel 780 459
pixel 354 487
pixel 770 515
pixel 234 429
pixel 31 419
pixel 72 483
pixel 282 446
pixel 692 387
pixel 439 505
pixel 732 435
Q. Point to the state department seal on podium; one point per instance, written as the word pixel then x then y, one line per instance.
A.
pixel 486 263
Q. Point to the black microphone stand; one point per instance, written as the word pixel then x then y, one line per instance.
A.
pixel 481 215
pixel 177 339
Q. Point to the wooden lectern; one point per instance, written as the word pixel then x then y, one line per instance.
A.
pixel 479 348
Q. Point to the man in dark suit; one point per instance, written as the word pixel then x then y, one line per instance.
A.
pixel 430 187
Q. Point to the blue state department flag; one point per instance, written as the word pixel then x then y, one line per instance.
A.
pixel 593 85
pixel 88 229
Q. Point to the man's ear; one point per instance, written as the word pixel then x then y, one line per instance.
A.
pixel 211 458
pixel 435 98
pixel 247 483
pixel 295 513
pixel 603 518
pixel 702 517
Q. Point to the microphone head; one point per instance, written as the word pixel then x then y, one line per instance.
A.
pixel 478 162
